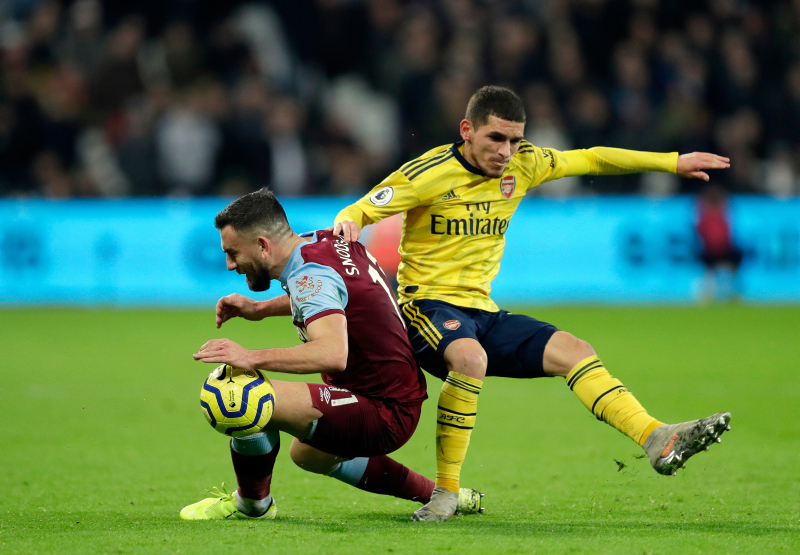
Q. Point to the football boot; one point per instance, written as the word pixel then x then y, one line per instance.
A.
pixel 441 507
pixel 220 506
pixel 669 446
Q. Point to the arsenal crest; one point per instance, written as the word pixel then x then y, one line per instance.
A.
pixel 452 324
pixel 508 185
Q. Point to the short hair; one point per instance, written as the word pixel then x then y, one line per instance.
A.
pixel 492 100
pixel 257 213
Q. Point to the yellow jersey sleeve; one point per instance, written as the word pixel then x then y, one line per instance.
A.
pixel 602 160
pixel 540 165
pixel 548 164
pixel 393 195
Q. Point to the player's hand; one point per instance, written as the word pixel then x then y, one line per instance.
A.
pixel 225 351
pixel 349 230
pixel 236 305
pixel 692 165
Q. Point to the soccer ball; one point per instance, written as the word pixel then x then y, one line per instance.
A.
pixel 237 402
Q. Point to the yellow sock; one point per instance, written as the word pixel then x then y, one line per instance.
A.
pixel 455 418
pixel 609 400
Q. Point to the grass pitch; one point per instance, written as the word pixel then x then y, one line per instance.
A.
pixel 103 442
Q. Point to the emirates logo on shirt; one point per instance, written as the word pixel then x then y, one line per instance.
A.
pixel 452 324
pixel 508 185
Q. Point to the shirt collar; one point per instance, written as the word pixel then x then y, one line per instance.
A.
pixel 463 161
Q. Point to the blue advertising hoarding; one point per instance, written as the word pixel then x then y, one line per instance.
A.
pixel 165 252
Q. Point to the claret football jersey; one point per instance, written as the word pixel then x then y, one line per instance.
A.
pixel 330 276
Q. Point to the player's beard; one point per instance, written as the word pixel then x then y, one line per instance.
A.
pixel 259 279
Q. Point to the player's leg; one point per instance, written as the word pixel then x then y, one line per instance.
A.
pixel 254 457
pixel 522 347
pixel 352 438
pixel 600 392
pixel 457 408
pixel 445 344
pixel 253 460
pixel 667 446
pixel 377 474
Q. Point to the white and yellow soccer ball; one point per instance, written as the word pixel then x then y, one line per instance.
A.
pixel 237 402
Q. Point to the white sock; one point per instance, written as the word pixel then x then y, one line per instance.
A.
pixel 252 507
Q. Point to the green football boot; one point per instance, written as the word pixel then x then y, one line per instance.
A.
pixel 221 506
pixel 669 446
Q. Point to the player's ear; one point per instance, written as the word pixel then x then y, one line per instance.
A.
pixel 265 245
pixel 466 129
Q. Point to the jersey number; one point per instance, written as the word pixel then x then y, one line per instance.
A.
pixel 378 278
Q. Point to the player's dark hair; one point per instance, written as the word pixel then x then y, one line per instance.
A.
pixel 492 100
pixel 256 213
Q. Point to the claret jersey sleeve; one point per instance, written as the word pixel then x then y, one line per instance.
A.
pixel 328 275
pixel 315 291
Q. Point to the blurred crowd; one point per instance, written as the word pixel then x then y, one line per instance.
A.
pixel 205 97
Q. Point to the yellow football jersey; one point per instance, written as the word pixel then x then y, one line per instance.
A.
pixel 455 218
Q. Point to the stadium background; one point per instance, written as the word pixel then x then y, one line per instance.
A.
pixel 320 100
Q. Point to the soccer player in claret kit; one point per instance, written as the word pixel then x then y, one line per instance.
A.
pixel 353 335
pixel 457 201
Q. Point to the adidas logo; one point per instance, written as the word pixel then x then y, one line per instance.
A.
pixel 450 196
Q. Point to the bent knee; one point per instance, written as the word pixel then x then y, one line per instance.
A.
pixel 298 455
pixel 563 352
pixel 467 357
pixel 303 457
pixel 581 350
pixel 310 459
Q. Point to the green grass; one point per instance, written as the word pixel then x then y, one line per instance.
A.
pixel 103 442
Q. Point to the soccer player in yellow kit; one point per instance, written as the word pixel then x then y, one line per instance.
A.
pixel 457 202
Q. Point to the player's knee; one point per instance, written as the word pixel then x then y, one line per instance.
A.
pixel 297 455
pixel 582 350
pixel 563 352
pixel 309 460
pixel 466 357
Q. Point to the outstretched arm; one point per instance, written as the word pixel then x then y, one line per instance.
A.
pixel 618 161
